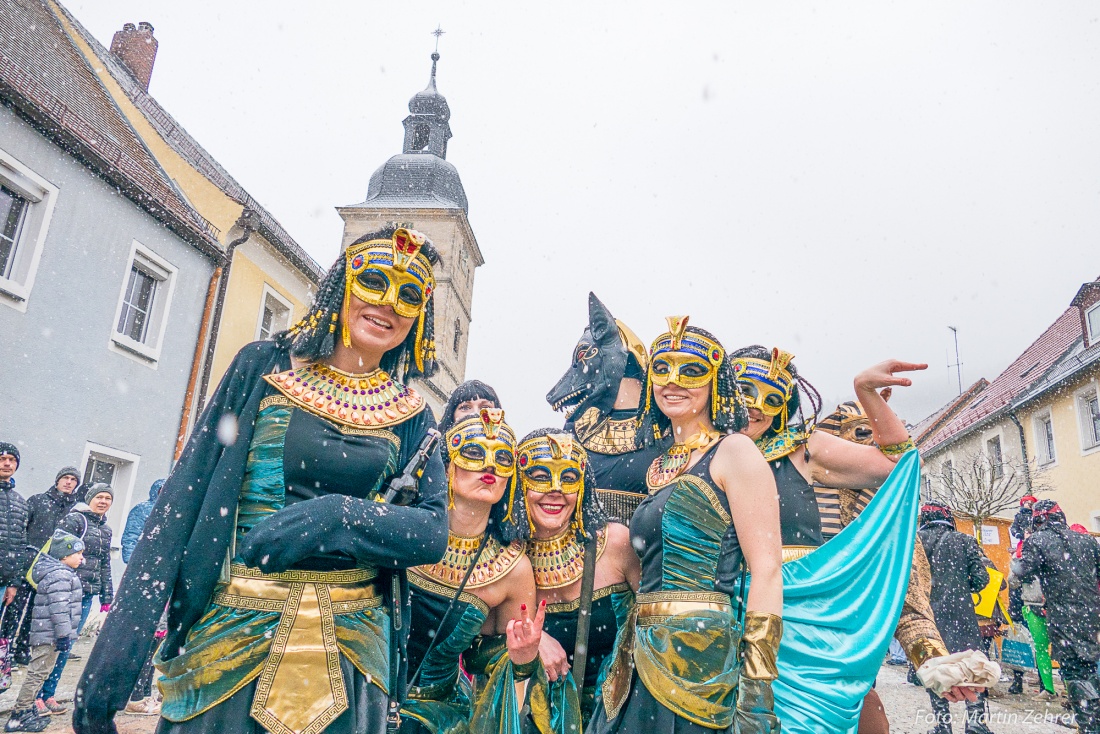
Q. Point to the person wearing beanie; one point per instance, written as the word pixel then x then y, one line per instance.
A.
pixel 13 524
pixel 89 523
pixel 44 511
pixel 54 620
pixel 1067 566
pixel 958 570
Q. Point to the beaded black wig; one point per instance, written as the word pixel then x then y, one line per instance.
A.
pixel 593 518
pixel 314 337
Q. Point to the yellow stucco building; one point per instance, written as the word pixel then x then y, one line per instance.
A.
pixel 269 280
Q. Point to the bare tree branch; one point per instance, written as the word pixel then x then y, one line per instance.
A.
pixel 977 489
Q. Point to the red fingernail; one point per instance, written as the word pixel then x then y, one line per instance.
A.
pixel 543 603
pixel 523 607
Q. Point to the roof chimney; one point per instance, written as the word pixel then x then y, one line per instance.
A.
pixel 1087 302
pixel 137 50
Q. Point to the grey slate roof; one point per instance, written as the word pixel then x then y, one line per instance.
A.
pixel 415 180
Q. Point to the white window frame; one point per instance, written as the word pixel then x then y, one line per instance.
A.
pixel 125 477
pixel 1037 423
pixel 268 291
pixel 1096 520
pixel 987 438
pixel 1084 420
pixel 147 352
pixel 1094 335
pixel 41 195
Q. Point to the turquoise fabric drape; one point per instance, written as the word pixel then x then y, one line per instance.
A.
pixel 841 605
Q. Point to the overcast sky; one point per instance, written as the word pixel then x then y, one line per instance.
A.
pixel 844 182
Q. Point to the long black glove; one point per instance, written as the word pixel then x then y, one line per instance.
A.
pixel 371 532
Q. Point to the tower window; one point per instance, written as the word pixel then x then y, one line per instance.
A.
pixel 458 335
pixel 421 135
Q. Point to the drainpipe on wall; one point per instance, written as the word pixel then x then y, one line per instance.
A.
pixel 212 318
pixel 1023 450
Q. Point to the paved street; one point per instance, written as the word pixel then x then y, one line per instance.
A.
pixel 906 705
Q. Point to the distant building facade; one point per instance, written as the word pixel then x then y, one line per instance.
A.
pixel 420 188
pixel 1042 414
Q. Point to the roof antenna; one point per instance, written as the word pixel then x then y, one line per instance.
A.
pixel 958 364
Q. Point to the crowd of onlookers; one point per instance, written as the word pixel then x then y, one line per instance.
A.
pixel 1054 593
pixel 55 559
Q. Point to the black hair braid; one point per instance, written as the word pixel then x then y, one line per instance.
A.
pixel 516 527
pixel 592 512
pixel 312 339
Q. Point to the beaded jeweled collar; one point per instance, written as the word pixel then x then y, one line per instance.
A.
pixel 496 561
pixel 782 444
pixel 559 561
pixel 371 400
pixel 609 436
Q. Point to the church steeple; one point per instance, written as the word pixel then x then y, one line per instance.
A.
pixel 427 127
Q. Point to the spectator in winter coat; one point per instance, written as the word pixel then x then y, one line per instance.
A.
pixel 135 521
pixel 957 571
pixel 1067 564
pixel 1021 524
pixel 44 511
pixel 89 523
pixel 53 626
pixel 13 524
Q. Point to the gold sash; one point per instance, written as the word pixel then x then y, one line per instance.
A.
pixel 651 608
pixel 301 687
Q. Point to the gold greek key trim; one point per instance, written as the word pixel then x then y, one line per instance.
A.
pixel 357 605
pixel 655 607
pixel 572 606
pixel 656 597
pixel 236 601
pixel 434 587
pixel 350 576
pixel 794 552
pixel 275 400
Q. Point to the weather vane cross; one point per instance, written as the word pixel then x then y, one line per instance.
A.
pixel 437 33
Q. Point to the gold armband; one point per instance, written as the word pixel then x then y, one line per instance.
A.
pixel 760 646
pixel 523 671
pixel 925 649
pixel 897 449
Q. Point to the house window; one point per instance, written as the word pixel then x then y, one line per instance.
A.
pixel 1090 420
pixel 100 469
pixel 1092 318
pixel 274 314
pixel 458 335
pixel 26 206
pixel 1044 438
pixel 13 210
pixel 137 305
pixel 996 459
pixel 143 305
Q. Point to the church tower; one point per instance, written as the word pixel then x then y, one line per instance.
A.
pixel 420 189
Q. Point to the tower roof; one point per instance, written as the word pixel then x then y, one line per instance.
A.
pixel 420 176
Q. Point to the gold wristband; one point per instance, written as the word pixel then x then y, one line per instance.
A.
pixel 523 671
pixel 925 649
pixel 897 449
pixel 760 646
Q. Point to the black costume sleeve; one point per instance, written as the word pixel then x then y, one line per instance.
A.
pixel 976 570
pixel 181 552
pixel 378 534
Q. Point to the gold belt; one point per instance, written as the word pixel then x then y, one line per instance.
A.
pixel 301 687
pixel 794 552
pixel 437 692
pixel 656 606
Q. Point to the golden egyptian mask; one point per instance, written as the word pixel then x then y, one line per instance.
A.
pixel 483 442
pixel 766 384
pixel 684 358
pixel 553 463
pixel 392 272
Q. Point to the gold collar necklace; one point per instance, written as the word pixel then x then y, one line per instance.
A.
pixel 673 462
pixel 559 561
pixel 495 561
pixel 371 400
